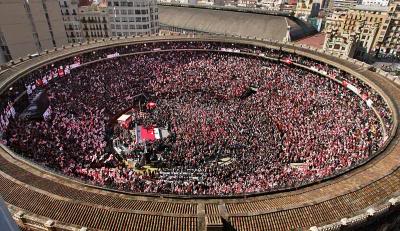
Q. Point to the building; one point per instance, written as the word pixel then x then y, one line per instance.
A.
pixel 306 9
pixel 69 10
pixel 343 4
pixel 128 17
pixel 375 2
pixel 372 29
pixel 94 21
pixel 271 4
pixel 219 2
pixel 28 27
pixel 340 44
pixel 389 38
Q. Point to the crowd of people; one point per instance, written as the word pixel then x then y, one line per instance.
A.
pixel 277 124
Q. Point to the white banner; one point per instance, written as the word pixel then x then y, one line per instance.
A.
pixel 75 65
pixel 369 102
pixel 116 54
pixel 353 88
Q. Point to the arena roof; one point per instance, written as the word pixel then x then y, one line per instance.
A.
pixel 231 22
pixel 39 198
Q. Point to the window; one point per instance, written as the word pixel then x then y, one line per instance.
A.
pixel 132 27
pixel 118 27
pixel 117 19
pixel 124 19
pixel 124 4
pixel 123 12
pixel 131 19
pixel 130 4
pixel 125 27
pixel 144 11
pixel 116 3
pixel 131 12
pixel 138 19
pixel 137 11
pixel 112 26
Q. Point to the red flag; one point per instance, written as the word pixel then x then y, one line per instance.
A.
pixel 39 82
pixel 61 71
pixel 287 61
pixel 151 105
pixel 364 96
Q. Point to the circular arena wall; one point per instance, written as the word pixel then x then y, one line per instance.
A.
pixel 42 200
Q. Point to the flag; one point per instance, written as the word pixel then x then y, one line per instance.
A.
pixel 364 96
pixel 39 82
pixel 287 60
pixel 151 105
pixel 61 71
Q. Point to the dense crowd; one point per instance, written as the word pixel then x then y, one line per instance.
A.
pixel 296 127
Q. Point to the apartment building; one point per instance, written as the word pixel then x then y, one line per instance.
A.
pixel 366 30
pixel 94 21
pixel 343 4
pixel 307 8
pixel 129 17
pixel 72 25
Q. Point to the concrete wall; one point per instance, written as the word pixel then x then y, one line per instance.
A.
pixel 16 27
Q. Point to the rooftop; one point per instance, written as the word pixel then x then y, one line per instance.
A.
pixel 371 8
pixel 233 22
pixel 316 40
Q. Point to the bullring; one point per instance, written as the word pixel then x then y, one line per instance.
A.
pixel 317 202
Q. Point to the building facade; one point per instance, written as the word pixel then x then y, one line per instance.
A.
pixel 375 2
pixel 72 25
pixel 343 4
pixel 372 30
pixel 28 27
pixel 94 21
pixel 131 18
pixel 389 38
pixel 307 9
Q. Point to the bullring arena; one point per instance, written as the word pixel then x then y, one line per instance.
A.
pixel 224 133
